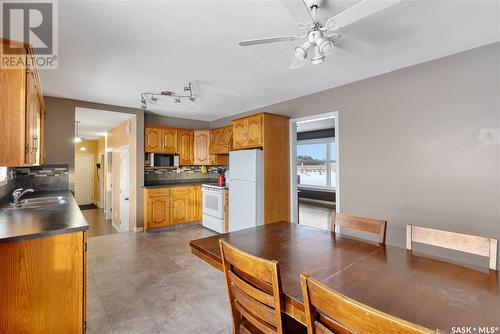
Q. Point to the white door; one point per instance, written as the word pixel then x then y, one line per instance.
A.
pixel 100 173
pixel 124 190
pixel 84 178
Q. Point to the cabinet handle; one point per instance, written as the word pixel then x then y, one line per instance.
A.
pixel 35 143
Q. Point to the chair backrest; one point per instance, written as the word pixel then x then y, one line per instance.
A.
pixel 329 312
pixel 364 224
pixel 457 241
pixel 254 289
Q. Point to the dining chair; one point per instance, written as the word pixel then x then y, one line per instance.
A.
pixel 329 312
pixel 255 294
pixel 456 241
pixel 364 224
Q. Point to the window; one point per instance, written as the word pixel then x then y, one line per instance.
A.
pixel 3 176
pixel 316 166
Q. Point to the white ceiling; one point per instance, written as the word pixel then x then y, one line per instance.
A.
pixel 111 51
pixel 96 123
pixel 314 125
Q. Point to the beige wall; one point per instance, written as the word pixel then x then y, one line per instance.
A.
pixel 420 145
pixel 118 138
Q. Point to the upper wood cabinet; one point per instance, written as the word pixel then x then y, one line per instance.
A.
pixel 22 114
pixel 185 142
pixel 160 140
pixel 169 141
pixel 201 147
pixel 247 132
pixel 152 139
pixel 221 140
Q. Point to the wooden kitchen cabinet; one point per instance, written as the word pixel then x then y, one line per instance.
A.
pixel 221 140
pixel 201 147
pixel 179 205
pixel 169 140
pixel 152 140
pixel 219 159
pixel 22 113
pixel 43 284
pixel 170 206
pixel 185 141
pixel 160 140
pixel 157 212
pixel 196 206
pixel 247 132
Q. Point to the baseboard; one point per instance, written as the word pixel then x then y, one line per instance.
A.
pixel 138 229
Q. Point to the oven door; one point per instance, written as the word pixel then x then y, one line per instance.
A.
pixel 213 202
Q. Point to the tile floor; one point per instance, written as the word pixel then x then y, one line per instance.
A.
pixel 98 223
pixel 151 283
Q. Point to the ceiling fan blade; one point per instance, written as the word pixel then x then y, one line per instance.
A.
pixel 268 40
pixel 296 9
pixel 353 45
pixel 296 63
pixel 361 10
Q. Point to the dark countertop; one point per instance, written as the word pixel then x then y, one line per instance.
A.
pixel 20 224
pixel 175 183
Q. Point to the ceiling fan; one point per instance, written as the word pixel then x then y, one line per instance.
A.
pixel 321 38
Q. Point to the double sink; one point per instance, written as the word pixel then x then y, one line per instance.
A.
pixel 40 202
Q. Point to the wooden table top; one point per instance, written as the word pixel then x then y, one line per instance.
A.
pixel 424 290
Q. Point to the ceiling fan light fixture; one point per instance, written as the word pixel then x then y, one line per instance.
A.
pixel 325 46
pixel 318 58
pixel 301 51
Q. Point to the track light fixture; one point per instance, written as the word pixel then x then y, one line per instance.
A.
pixel 156 97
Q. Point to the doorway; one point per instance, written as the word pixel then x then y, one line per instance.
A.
pixel 84 179
pixel 314 151
pixel 124 188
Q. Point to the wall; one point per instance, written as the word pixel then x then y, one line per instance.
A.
pixel 174 122
pixel 118 138
pixel 420 145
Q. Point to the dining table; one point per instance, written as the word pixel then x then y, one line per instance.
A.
pixel 418 287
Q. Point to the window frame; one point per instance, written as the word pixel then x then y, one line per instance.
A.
pixel 329 141
pixel 6 179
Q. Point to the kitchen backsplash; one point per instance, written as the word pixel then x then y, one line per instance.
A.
pixel 41 178
pixel 185 173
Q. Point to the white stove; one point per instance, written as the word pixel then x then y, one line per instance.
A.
pixel 213 207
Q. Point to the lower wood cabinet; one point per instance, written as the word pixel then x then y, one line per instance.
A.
pixel 43 284
pixel 171 206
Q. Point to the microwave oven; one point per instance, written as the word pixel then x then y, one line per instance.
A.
pixel 163 160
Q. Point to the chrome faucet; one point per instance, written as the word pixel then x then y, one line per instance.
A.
pixel 17 194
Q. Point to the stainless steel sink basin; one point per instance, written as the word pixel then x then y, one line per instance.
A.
pixel 41 202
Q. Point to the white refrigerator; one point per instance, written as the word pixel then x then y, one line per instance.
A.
pixel 246 197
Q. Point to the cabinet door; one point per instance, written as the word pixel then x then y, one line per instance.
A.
pixel 239 133
pixel 169 141
pixel 158 211
pixel 32 120
pixel 201 147
pixel 196 203
pixel 152 139
pixel 179 206
pixel 219 159
pixel 186 147
pixel 254 130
